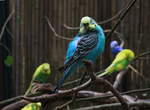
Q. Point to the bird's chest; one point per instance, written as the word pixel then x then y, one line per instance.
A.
pixel 122 65
pixel 42 77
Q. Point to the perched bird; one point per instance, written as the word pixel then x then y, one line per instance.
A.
pixel 88 44
pixel 32 106
pixel 40 75
pixel 115 47
pixel 121 61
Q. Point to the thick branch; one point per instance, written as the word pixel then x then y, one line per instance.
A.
pixel 139 104
pixel 119 78
pixel 105 96
pixel 17 105
pixel 114 91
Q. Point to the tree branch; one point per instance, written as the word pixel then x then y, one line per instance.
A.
pixel 52 28
pixel 112 105
pixel 106 96
pixel 6 48
pixel 68 93
pixel 94 79
pixel 7 20
pixel 119 78
pixel 130 4
pixel 101 22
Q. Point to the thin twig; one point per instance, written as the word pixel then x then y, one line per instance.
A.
pixel 119 35
pixel 130 4
pixel 11 100
pixel 70 27
pixel 74 96
pixel 6 48
pixel 137 72
pixel 101 22
pixel 142 54
pixel 52 28
pixel 10 33
pixel 7 20
pixel 77 80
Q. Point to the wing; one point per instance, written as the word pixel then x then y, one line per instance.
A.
pixel 84 46
pixel 120 57
pixel 72 48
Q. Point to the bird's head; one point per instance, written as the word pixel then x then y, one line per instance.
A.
pixel 113 44
pixel 87 24
pixel 46 68
pixel 115 47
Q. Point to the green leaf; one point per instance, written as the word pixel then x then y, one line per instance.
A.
pixel 9 60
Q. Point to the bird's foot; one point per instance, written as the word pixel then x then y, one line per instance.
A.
pixel 55 90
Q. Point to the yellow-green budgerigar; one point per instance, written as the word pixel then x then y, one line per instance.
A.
pixel 32 106
pixel 40 75
pixel 121 61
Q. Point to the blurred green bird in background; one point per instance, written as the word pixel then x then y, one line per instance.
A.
pixel 40 75
pixel 121 62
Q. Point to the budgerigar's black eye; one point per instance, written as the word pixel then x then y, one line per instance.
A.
pixel 86 24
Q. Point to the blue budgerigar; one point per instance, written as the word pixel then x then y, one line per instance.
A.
pixel 88 44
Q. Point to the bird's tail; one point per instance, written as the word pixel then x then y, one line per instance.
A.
pixel 66 72
pixel 28 90
pixel 103 74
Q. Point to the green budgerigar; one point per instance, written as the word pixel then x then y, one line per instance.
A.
pixel 121 61
pixel 40 75
pixel 32 106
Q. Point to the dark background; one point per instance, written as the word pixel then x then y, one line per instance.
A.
pixel 32 42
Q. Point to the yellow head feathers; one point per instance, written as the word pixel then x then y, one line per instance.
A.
pixel 87 24
pixel 46 68
pixel 86 20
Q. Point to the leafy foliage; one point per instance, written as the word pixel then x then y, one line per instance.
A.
pixel 9 60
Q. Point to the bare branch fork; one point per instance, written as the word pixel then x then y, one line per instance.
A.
pixel 17 103
pixel 94 79
pixel 7 20
pixel 119 35
pixel 3 29
pixel 120 15
pixel 102 22
pixel 129 6
pixel 51 27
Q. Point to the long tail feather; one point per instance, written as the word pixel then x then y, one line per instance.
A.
pixel 61 81
pixel 103 74
pixel 28 90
